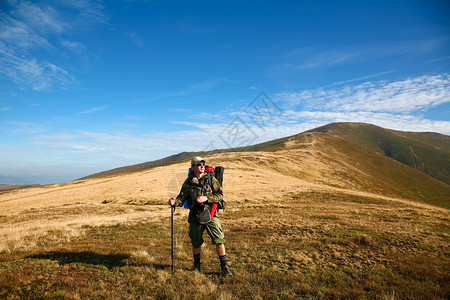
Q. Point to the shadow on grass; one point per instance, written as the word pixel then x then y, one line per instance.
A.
pixel 86 257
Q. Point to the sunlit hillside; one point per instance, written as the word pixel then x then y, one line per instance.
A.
pixel 313 215
pixel 428 152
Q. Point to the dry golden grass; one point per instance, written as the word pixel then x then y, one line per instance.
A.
pixel 28 214
pixel 297 225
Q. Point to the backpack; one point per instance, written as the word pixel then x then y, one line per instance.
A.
pixel 206 212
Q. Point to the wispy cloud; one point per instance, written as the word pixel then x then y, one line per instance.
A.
pixel 72 46
pixel 90 11
pixel 116 149
pixel 439 59
pixel 93 110
pixel 24 128
pixel 22 125
pixel 136 38
pixel 28 28
pixel 315 57
pixel 197 88
pixel 39 75
pixel 412 94
pixel 397 104
pixel 329 58
pixel 363 77
pixel 41 18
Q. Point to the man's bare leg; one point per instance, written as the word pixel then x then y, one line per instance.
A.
pixel 220 248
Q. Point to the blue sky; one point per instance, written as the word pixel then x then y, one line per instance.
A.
pixel 88 85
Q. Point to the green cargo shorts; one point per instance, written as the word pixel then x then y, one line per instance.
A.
pixel 213 228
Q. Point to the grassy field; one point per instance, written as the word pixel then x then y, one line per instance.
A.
pixel 319 218
pixel 312 245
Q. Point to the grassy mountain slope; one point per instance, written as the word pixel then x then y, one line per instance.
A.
pixel 311 216
pixel 354 166
pixel 318 218
pixel 352 156
pixel 426 152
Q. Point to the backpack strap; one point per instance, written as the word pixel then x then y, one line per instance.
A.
pixel 210 180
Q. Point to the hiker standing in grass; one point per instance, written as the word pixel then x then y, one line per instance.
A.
pixel 202 188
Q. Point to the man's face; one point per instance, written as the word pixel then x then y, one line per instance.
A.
pixel 200 167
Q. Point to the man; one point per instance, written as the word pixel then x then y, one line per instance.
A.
pixel 203 189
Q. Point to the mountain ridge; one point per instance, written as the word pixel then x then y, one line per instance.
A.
pixel 332 156
pixel 427 152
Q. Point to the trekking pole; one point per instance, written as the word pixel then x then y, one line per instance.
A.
pixel 172 209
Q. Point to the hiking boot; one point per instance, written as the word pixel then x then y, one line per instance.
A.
pixel 226 272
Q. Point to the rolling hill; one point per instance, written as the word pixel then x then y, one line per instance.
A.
pixel 428 152
pixel 364 156
pixel 318 215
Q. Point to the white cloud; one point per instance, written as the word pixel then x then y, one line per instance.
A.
pixel 387 120
pixel 438 59
pixel 24 127
pixel 396 105
pixel 71 45
pixel 135 38
pixel 198 88
pixel 406 96
pixel 329 58
pixel 362 77
pixel 93 110
pixel 17 34
pixel 29 29
pixel 43 18
pixel 98 150
pixel 315 57
pixel 391 105
pixel 39 75
pixel 91 11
